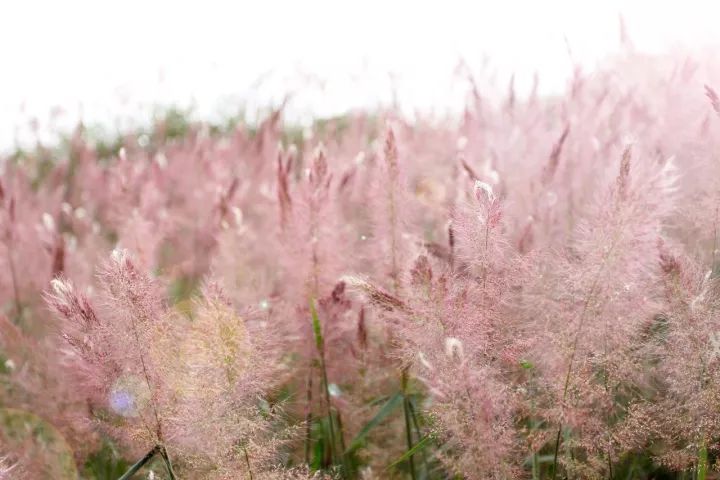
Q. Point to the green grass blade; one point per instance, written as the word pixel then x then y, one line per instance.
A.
pixel 393 403
pixel 416 448
pixel 317 329
pixel 702 462
pixel 408 433
pixel 141 463
pixel 168 463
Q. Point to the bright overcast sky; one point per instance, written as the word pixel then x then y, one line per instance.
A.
pixel 110 61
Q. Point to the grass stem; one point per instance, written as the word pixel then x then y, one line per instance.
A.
pixel 140 463
pixel 168 463
pixel 408 425
pixel 702 467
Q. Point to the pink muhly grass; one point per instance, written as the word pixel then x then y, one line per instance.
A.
pixel 313 238
pixel 454 336
pixel 389 228
pixel 132 360
pixel 113 348
pixel 393 177
pixel 525 287
pixel 223 372
pixel 603 302
pixel 310 238
pixel 450 348
pixel 679 409
pixel 391 215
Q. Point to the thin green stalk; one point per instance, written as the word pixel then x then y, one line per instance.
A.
pixel 328 407
pixel 408 436
pixel 247 462
pixel 408 426
pixel 141 463
pixel 418 432
pixel 168 464
pixel 320 345
pixel 557 449
pixel 343 450
pixel 308 418
pixel 702 467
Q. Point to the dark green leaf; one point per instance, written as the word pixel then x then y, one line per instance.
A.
pixel 316 325
pixel 416 448
pixel 382 414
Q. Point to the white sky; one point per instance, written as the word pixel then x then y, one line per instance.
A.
pixel 109 62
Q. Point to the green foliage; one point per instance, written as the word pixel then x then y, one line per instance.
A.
pixel 317 328
pixel 526 364
pixel 180 293
pixel 702 467
pixel 415 449
pixel 175 123
pixel 389 407
pixel 105 464
pixel 640 466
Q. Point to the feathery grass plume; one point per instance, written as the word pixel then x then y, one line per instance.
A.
pixel 594 299
pixel 374 295
pixel 477 232
pixel 458 356
pixel 114 353
pixel 225 370
pixel 314 245
pixel 679 411
pixel 90 351
pixel 390 215
pixel 314 241
pixel 455 333
pixel 150 380
pixel 319 186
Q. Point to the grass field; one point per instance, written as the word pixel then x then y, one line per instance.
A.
pixel 529 290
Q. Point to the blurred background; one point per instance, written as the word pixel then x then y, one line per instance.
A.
pixel 110 63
